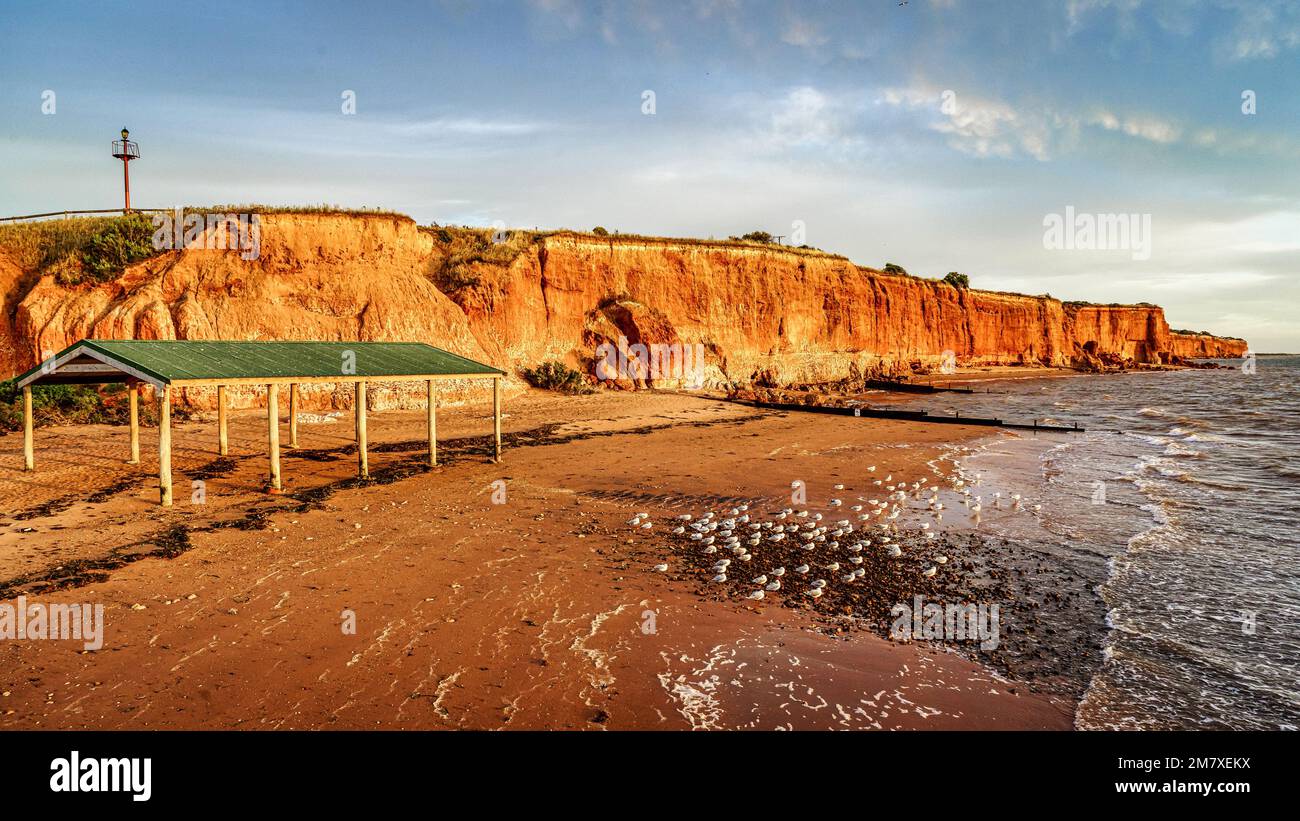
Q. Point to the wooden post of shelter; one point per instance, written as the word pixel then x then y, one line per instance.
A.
pixel 496 416
pixel 223 441
pixel 363 466
pixel 293 415
pixel 433 423
pixel 29 452
pixel 133 401
pixel 165 445
pixel 273 432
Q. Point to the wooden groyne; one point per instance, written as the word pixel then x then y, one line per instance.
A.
pixel 913 387
pixel 910 416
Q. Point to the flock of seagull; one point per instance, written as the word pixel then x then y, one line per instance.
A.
pixel 834 548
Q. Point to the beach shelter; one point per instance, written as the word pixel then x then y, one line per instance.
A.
pixel 171 364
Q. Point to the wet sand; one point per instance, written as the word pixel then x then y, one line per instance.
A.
pixel 544 611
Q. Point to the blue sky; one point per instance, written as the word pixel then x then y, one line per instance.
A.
pixel 937 135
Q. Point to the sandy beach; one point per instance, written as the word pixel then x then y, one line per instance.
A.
pixel 542 609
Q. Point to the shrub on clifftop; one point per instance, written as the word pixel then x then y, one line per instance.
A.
pixel 80 249
pixel 120 243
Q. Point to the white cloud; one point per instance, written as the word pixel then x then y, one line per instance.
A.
pixel 992 128
pixel 802 32
pixel 1253 29
pixel 987 127
pixel 806 116
pixel 803 117
pixel 1154 130
pixel 1107 121
pixel 1262 31
pixel 1144 127
pixel 468 126
pixel 982 127
pixel 1250 45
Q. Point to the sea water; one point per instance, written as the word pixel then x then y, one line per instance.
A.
pixel 1186 485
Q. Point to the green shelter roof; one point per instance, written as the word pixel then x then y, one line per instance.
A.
pixel 167 361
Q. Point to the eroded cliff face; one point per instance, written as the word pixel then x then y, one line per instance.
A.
pixel 1206 346
pixel 754 314
pixel 780 317
pixel 1116 334
pixel 760 315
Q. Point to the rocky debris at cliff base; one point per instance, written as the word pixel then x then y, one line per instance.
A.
pixel 1202 366
pixel 785 397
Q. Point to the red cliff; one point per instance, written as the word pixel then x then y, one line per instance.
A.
pixel 758 313
pixel 1186 345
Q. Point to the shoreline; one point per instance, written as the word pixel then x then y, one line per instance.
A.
pixel 1165 461
pixel 470 614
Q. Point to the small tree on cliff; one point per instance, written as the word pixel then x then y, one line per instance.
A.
pixel 600 231
pixel 957 280
pixel 891 268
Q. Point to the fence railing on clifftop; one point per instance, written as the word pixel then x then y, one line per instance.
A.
pixel 67 214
